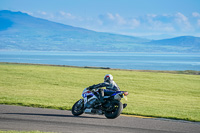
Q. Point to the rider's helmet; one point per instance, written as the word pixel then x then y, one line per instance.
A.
pixel 108 78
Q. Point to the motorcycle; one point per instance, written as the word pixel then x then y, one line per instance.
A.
pixel 111 105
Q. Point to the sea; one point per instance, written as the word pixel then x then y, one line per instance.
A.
pixel 116 60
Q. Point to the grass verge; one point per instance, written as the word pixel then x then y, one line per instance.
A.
pixel 155 94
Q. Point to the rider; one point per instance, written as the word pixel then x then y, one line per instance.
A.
pixel 108 83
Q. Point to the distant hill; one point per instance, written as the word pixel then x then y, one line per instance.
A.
pixel 184 43
pixel 20 31
pixel 179 41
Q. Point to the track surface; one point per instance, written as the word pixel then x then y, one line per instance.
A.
pixel 29 119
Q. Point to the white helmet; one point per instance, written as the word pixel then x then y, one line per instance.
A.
pixel 108 78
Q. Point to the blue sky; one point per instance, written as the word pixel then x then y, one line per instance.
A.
pixel 154 19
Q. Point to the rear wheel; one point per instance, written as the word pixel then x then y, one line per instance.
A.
pixel 115 111
pixel 78 107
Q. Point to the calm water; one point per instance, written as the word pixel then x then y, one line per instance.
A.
pixel 136 61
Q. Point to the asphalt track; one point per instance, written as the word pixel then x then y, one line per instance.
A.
pixel 29 119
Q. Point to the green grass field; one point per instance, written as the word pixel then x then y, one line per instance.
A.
pixel 157 94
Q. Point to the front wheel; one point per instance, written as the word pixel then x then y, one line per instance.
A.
pixel 78 107
pixel 116 110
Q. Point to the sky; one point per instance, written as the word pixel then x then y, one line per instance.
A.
pixel 152 19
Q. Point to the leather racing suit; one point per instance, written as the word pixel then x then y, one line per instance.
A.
pixel 110 88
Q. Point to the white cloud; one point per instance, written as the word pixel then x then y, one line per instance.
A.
pixel 157 23
pixel 42 12
pixel 66 15
pixel 160 26
pixel 148 23
pixel 120 20
pixel 195 14
pixel 62 13
pixel 111 20
pixel 134 23
pixel 29 13
pixel 116 23
pixel 181 17
pixel 116 18
pixel 110 16
pixel 182 21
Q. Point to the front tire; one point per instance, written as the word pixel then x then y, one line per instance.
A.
pixel 116 110
pixel 78 107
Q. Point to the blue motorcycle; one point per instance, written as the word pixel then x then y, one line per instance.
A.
pixel 91 103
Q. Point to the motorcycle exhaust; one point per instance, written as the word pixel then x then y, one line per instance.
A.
pixel 88 111
pixel 93 111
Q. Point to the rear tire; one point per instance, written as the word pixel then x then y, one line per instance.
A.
pixel 117 109
pixel 78 107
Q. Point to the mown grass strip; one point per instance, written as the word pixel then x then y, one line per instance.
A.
pixel 154 94
pixel 12 131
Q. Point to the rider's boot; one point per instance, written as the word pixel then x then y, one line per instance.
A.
pixel 124 105
pixel 101 95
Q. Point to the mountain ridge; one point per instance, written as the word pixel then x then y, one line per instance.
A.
pixel 181 40
pixel 20 31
